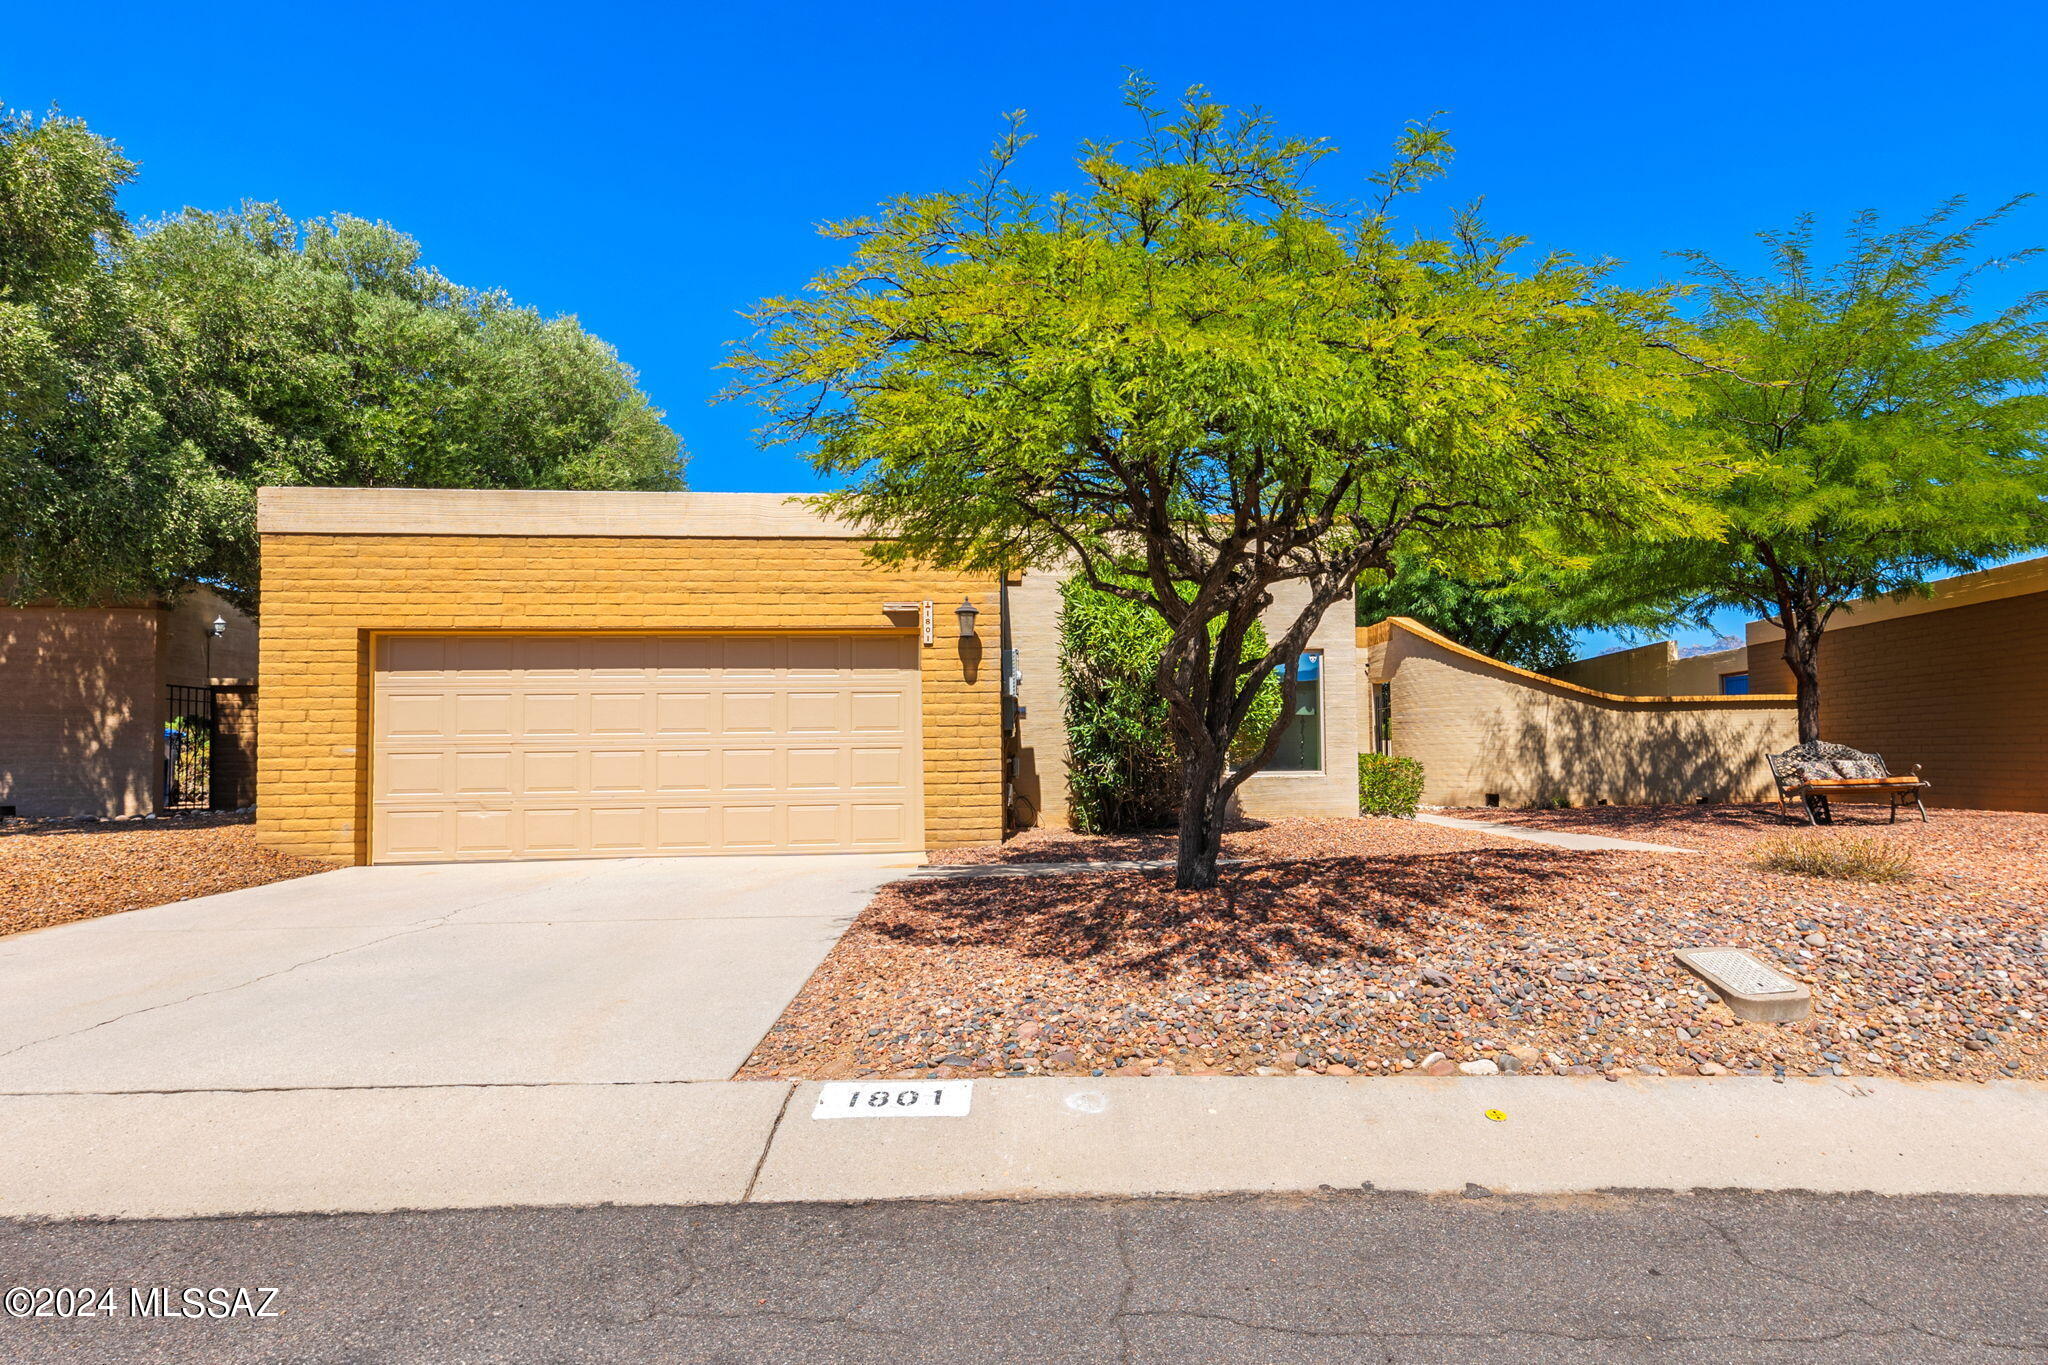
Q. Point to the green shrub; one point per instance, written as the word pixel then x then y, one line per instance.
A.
pixel 1122 771
pixel 1848 857
pixel 1389 785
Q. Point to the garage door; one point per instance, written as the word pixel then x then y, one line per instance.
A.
pixel 538 746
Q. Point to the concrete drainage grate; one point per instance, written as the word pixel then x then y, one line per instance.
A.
pixel 1754 990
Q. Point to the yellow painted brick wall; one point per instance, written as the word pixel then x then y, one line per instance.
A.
pixel 324 594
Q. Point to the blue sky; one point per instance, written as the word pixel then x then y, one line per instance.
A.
pixel 656 168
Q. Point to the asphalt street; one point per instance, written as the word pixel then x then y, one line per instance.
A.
pixel 1342 1276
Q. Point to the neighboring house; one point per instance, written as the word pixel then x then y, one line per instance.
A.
pixel 96 703
pixel 1489 733
pixel 1662 670
pixel 1956 681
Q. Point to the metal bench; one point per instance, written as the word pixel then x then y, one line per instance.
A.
pixel 1816 771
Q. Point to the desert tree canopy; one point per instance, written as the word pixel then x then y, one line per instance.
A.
pixel 1193 377
pixel 151 379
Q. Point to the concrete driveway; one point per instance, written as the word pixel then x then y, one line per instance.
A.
pixel 638 970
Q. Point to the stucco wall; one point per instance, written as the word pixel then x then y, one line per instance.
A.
pixel 1040 795
pixel 81 710
pixel 325 593
pixel 1961 690
pixel 1480 728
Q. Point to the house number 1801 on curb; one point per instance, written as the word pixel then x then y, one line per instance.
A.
pixel 894 1100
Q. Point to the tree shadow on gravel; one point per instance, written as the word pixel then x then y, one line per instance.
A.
pixel 1675 822
pixel 1634 821
pixel 1270 915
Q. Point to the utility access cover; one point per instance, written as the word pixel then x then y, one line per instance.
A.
pixel 1742 972
pixel 894 1100
pixel 1752 989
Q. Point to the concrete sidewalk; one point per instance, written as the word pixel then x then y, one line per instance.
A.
pixel 382 1148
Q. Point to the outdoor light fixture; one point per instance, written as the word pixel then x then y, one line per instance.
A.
pixel 213 632
pixel 967 611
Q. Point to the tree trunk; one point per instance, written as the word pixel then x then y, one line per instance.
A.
pixel 1803 615
pixel 1201 823
pixel 1802 656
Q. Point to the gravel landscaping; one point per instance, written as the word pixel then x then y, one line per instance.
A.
pixel 1252 839
pixel 1378 947
pixel 55 871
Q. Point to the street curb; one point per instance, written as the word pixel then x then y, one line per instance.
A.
pixel 213 1153
pixel 1539 1135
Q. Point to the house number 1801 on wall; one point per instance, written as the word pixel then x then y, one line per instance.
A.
pixel 894 1100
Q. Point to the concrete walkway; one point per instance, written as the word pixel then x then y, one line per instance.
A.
pixel 1555 838
pixel 954 872
pixel 374 1149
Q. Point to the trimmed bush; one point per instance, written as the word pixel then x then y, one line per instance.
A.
pixel 1849 858
pixel 1389 785
pixel 1122 772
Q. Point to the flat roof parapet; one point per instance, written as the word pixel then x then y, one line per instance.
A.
pixel 508 512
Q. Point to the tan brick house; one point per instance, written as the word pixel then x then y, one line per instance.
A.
pixel 500 675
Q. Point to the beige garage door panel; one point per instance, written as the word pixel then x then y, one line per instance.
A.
pixel 536 746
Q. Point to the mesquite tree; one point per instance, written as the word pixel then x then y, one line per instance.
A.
pixel 1886 433
pixel 1191 379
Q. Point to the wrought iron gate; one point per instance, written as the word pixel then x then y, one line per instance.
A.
pixel 188 749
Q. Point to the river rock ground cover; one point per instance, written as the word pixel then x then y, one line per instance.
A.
pixel 1367 947
pixel 55 871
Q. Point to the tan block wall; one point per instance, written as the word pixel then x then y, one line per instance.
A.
pixel 324 595
pixel 187 651
pixel 234 747
pixel 1479 727
pixel 1040 783
pixel 1656 670
pixel 81 710
pixel 1962 691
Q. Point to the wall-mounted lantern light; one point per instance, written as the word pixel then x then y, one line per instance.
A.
pixel 213 632
pixel 966 611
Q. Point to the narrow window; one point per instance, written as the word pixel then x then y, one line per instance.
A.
pixel 1301 736
pixel 1383 717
